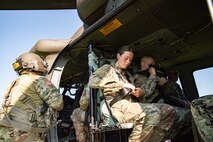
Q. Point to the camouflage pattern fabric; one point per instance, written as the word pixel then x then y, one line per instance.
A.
pixel 166 125
pixel 15 135
pixel 81 130
pixel 39 90
pixel 148 84
pixel 84 100
pixel 183 116
pixel 145 118
pixel 47 92
pixel 149 123
pixel 173 122
pixel 182 122
pixel 78 117
pixel 202 114
pixel 107 79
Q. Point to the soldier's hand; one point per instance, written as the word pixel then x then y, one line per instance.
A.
pixel 137 92
pixel 152 71
pixel 107 91
pixel 162 81
pixel 128 85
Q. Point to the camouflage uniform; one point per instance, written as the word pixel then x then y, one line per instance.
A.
pixel 148 84
pixel 149 123
pixel 26 95
pixel 152 94
pixel 202 113
pixel 78 117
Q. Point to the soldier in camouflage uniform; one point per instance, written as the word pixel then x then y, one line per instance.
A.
pixel 147 80
pixel 30 102
pixel 159 89
pixel 149 123
pixel 202 114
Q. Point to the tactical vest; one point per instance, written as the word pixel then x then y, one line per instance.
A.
pixel 38 118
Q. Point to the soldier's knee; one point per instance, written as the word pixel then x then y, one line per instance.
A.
pixel 79 126
pixel 78 115
pixel 153 116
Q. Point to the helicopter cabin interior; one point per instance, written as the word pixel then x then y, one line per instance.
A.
pixel 177 33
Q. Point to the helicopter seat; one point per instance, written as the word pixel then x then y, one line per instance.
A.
pixel 107 126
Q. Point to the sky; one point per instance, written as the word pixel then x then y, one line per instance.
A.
pixel 20 30
pixel 204 81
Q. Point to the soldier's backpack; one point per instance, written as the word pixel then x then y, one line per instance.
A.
pixel 40 120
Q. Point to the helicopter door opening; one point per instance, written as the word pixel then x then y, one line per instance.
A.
pixel 210 6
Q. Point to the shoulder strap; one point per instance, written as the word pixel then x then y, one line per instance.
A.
pixel 120 96
pixel 21 124
pixel 7 94
pixel 26 127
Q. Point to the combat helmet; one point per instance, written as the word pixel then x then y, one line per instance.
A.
pixel 30 62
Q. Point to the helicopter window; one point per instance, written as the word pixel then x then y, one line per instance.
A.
pixel 203 79
pixel 210 6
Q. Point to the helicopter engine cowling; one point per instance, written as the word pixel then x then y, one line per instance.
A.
pixel 91 10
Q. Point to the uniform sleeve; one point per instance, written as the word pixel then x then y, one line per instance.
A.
pixel 84 100
pixel 104 78
pixel 149 86
pixel 49 93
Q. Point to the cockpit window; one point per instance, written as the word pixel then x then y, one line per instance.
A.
pixel 204 81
